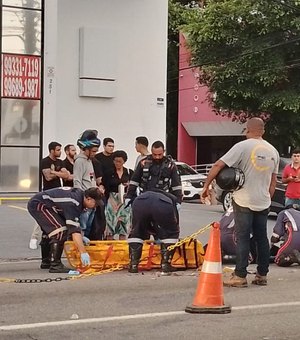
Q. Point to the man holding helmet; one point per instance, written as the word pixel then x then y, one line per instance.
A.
pixel 92 220
pixel 259 162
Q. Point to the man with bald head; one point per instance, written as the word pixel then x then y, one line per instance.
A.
pixel 259 161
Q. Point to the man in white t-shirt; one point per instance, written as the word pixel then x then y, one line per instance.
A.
pixel 259 161
pixel 141 146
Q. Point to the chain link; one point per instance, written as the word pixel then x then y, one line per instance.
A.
pixel 57 279
pixel 120 267
pixel 73 277
pixel 188 238
pixel 96 272
pixel 106 271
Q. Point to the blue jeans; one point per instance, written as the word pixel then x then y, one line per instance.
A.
pixel 290 201
pixel 86 220
pixel 247 221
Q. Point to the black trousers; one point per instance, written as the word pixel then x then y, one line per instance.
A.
pixel 48 219
pixel 154 213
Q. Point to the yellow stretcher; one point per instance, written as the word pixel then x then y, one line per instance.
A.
pixel 108 254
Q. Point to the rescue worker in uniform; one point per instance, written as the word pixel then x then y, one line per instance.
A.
pixel 287 228
pixel 228 238
pixel 155 211
pixel 57 211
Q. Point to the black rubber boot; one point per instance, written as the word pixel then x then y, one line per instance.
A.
pixel 166 258
pixel 135 253
pixel 46 253
pixel 285 260
pixel 56 265
pixel 296 256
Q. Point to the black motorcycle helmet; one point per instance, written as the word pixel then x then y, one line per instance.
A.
pixel 230 179
pixel 88 139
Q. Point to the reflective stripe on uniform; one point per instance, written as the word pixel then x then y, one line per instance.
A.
pixel 275 235
pixel 75 224
pixel 212 267
pixel 134 183
pixel 292 220
pixel 231 224
pixel 48 215
pixel 60 199
pixel 135 240
pixel 179 187
pixel 169 240
pixel 57 231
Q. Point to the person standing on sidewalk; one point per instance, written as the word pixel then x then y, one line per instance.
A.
pixel 291 177
pixel 118 218
pixel 53 172
pixel 92 221
pixel 141 146
pixel 259 161
pixel 105 157
pixel 68 163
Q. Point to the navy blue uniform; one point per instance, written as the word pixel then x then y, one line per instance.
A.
pixel 57 211
pixel 154 213
pixel 156 175
pixel 228 237
pixel 287 229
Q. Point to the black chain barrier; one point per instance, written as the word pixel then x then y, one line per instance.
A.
pixel 57 279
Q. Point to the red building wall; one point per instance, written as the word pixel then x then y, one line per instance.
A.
pixel 193 106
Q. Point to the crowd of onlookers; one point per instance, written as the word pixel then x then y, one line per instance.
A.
pixel 104 200
pixel 111 218
pixel 89 168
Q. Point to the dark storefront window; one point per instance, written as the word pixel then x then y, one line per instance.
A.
pixel 21 90
pixel 20 122
pixel 19 169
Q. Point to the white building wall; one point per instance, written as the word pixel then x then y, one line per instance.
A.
pixel 140 30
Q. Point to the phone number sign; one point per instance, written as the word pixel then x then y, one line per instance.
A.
pixel 21 76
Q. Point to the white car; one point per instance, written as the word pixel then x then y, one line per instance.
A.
pixel 192 181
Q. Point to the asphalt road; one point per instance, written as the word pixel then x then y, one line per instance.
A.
pixel 147 305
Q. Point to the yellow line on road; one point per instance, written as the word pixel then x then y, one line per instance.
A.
pixel 14 199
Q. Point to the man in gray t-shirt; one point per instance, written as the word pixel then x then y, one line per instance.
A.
pixel 259 161
pixel 92 221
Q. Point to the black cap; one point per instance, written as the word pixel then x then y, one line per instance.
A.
pixel 95 194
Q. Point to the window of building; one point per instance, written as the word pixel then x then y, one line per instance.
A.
pixel 21 107
pixel 23 3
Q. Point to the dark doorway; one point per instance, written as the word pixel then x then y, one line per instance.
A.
pixel 211 148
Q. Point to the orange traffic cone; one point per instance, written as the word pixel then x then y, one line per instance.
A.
pixel 209 293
